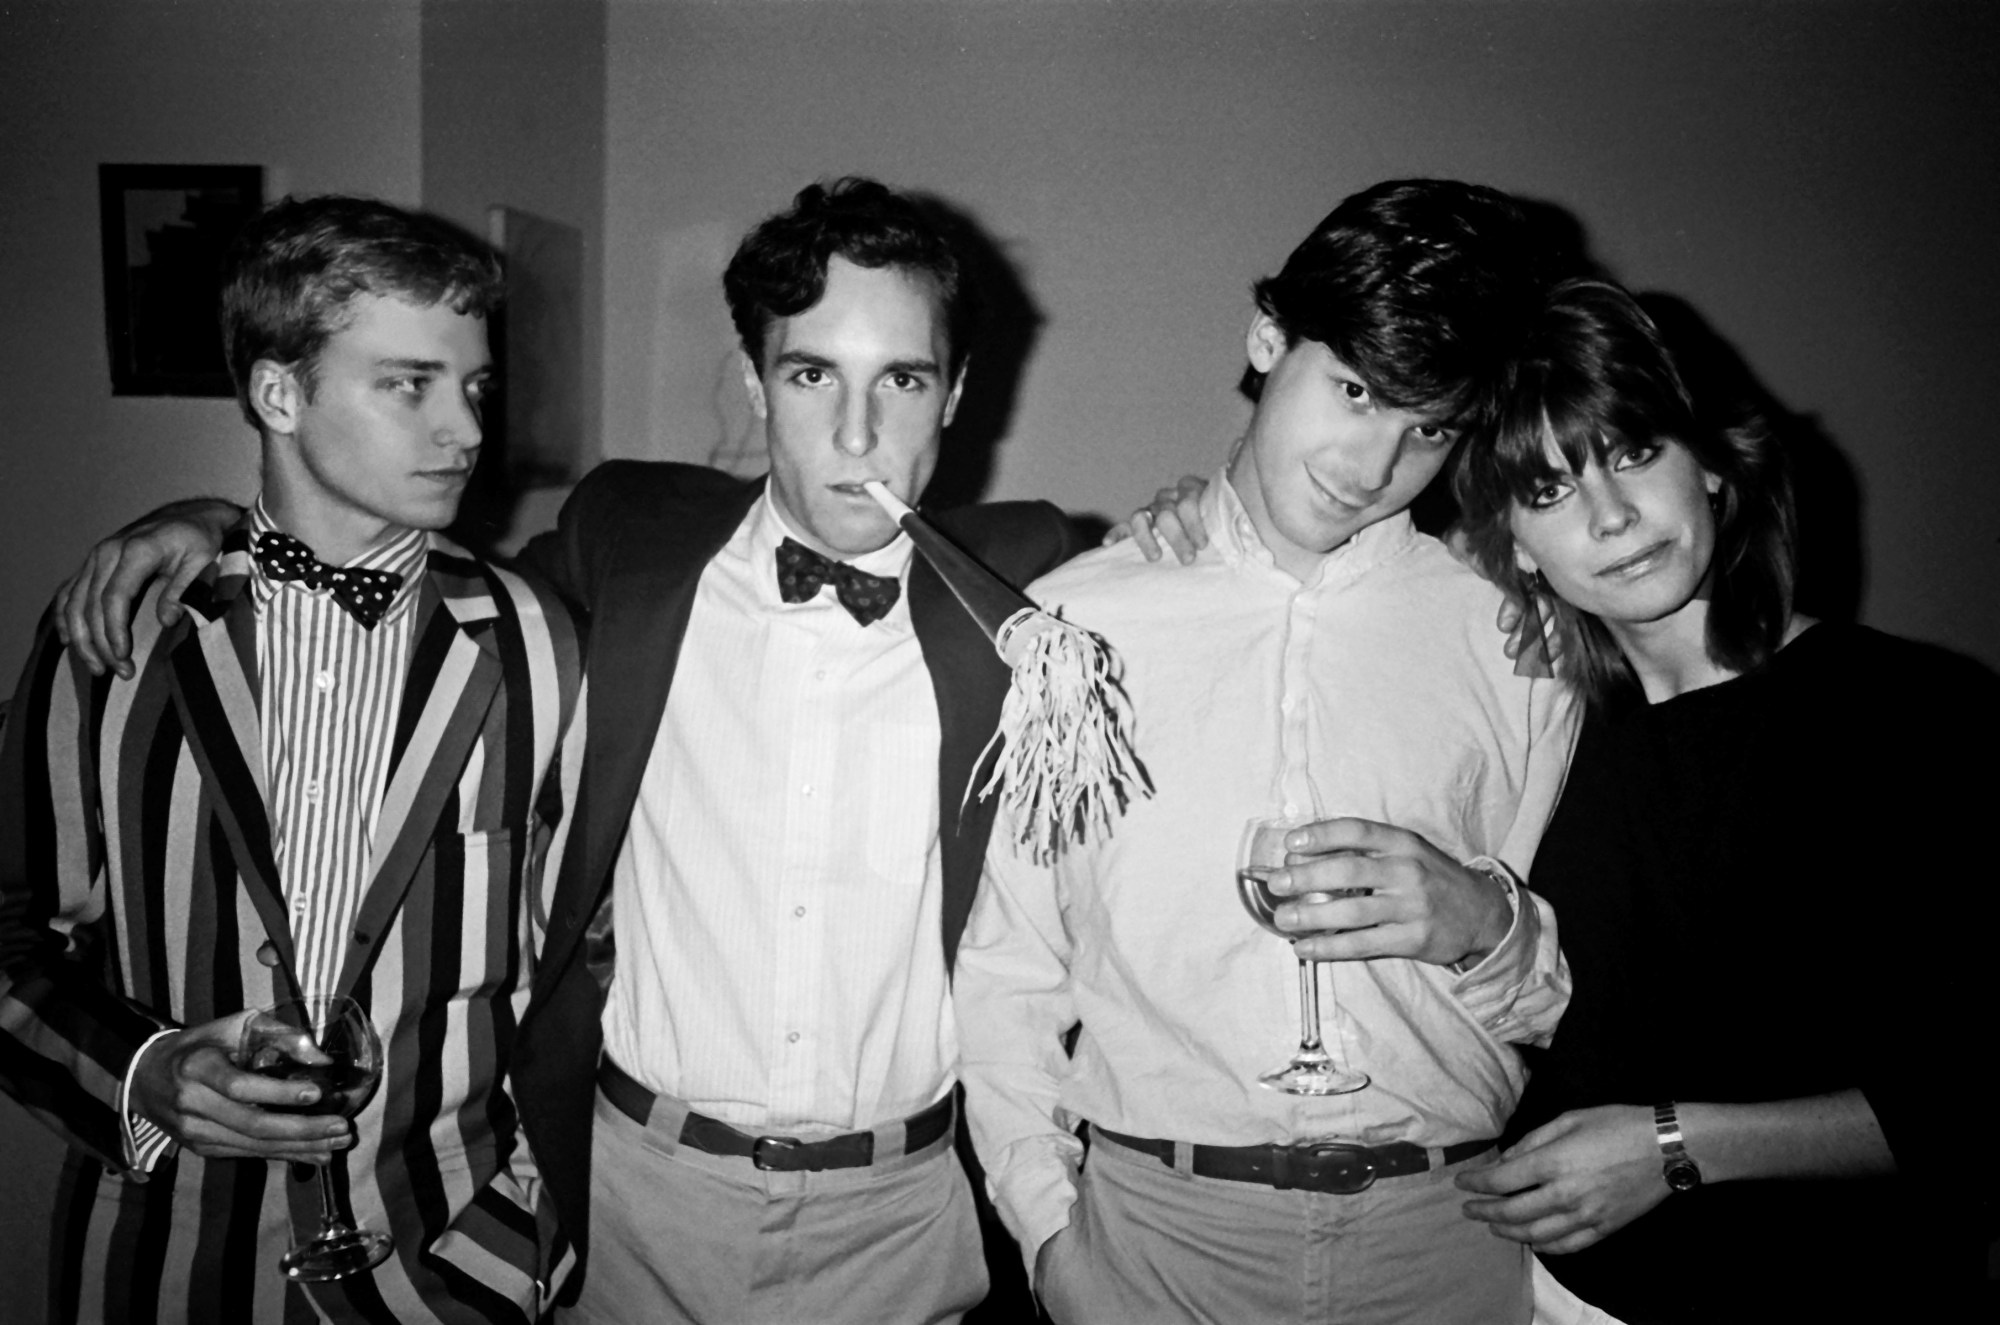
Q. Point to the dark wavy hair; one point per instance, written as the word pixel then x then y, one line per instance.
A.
pixel 1415 284
pixel 292 271
pixel 1595 375
pixel 780 267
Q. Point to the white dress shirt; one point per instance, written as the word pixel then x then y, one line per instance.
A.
pixel 776 901
pixel 1376 689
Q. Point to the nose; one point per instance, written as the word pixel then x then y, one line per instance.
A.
pixel 1611 511
pixel 856 428
pixel 458 423
pixel 1374 463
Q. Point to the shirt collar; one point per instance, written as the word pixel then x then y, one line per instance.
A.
pixel 1235 536
pixel 402 552
pixel 766 527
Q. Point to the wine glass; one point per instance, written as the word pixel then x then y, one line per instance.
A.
pixel 329 1043
pixel 1312 1070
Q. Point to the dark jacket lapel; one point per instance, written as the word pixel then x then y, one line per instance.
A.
pixel 639 617
pixel 970 683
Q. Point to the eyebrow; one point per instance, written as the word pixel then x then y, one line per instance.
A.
pixel 804 359
pixel 435 367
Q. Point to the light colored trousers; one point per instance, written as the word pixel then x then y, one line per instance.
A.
pixel 1146 1243
pixel 677 1235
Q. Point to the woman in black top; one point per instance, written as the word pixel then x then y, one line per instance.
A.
pixel 1769 871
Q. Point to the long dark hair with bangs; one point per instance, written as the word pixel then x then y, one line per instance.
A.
pixel 1594 374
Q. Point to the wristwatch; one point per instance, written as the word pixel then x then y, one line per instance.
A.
pixel 1676 1165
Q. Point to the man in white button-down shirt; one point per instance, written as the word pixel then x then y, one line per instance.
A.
pixel 1321 659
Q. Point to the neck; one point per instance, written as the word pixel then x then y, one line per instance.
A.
pixel 336 534
pixel 1670 655
pixel 1300 563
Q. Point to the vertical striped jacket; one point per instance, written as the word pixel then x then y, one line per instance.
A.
pixel 138 890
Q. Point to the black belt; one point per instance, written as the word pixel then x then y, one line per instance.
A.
pixel 780 1154
pixel 1313 1166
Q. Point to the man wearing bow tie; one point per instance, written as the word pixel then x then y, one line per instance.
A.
pixel 326 777
pixel 784 714
pixel 739 1066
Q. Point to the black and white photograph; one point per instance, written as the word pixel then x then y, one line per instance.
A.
pixel 1021 662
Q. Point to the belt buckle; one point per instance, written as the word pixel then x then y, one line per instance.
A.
pixel 1351 1170
pixel 772 1153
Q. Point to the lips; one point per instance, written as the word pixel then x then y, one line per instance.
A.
pixel 1333 498
pixel 1639 562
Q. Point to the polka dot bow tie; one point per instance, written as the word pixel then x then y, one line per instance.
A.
pixel 801 572
pixel 366 594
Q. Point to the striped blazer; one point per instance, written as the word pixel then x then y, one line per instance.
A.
pixel 138 891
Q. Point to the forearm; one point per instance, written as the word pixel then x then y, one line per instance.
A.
pixel 1012 997
pixel 1818 1136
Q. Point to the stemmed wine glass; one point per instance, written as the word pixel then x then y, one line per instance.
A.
pixel 330 1043
pixel 1312 1070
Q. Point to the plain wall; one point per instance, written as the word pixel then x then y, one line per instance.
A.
pixel 513 112
pixel 325 97
pixel 1817 180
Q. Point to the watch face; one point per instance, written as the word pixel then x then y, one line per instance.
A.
pixel 1683 1176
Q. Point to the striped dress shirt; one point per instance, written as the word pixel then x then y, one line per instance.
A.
pixel 330 689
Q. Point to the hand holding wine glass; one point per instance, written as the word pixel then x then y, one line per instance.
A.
pixel 330 1045
pixel 190 1084
pixel 1312 1070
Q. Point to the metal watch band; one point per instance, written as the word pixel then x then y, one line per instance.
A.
pixel 1676 1165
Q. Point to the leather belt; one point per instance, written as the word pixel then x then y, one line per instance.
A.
pixel 1314 1166
pixel 778 1154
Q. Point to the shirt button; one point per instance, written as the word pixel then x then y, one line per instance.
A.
pixel 298 906
pixel 1290 809
pixel 793 1038
pixel 267 953
pixel 820 675
pixel 312 792
pixel 798 910
pixel 806 790
pixel 324 681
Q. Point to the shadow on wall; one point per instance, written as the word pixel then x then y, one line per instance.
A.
pixel 1011 323
pixel 1832 562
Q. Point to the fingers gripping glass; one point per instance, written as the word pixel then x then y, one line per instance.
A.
pixel 331 1044
pixel 1312 1070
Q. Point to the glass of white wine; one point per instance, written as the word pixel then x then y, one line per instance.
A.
pixel 329 1043
pixel 1312 1070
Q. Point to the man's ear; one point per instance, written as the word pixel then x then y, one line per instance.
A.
pixel 753 385
pixel 1266 342
pixel 277 397
pixel 957 389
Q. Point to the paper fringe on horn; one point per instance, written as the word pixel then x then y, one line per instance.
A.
pixel 1066 768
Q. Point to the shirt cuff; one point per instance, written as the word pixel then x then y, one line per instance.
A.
pixel 146 1142
pixel 1034 1193
pixel 1518 991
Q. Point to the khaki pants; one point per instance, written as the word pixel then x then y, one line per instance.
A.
pixel 1154 1244
pixel 677 1235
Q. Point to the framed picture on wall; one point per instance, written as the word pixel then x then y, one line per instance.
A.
pixel 164 229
